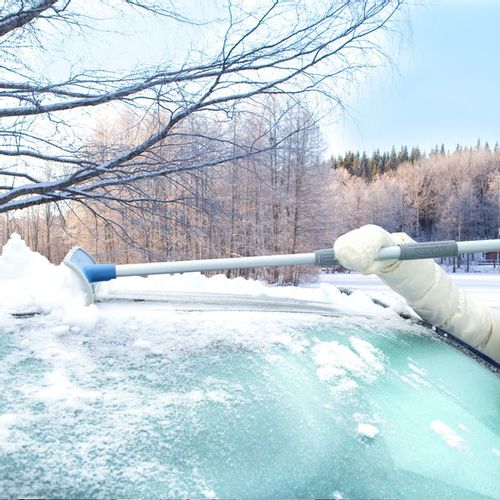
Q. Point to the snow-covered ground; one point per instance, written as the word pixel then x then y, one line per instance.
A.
pixel 485 287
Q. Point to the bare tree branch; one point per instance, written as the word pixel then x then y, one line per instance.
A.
pixel 274 51
pixel 24 15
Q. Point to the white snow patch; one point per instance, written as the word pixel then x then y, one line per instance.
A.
pixel 58 388
pixel 447 434
pixel 367 430
pixel 416 377
pixel 30 283
pixel 143 344
pixel 495 452
pixel 370 355
pixel 7 420
pixel 337 360
pixel 61 329
pixel 45 345
pixel 417 370
pixel 285 339
pixel 344 386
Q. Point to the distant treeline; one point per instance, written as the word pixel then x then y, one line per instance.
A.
pixel 283 200
pixel 361 165
pixel 446 195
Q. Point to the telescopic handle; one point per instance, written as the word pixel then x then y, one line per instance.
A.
pixel 435 249
pixel 324 258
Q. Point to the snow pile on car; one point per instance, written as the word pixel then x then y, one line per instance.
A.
pixel 30 283
pixel 153 287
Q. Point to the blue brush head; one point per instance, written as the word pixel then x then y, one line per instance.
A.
pixel 87 270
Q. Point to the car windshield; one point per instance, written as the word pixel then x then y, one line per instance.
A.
pixel 202 400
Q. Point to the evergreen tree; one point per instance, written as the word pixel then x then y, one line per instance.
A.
pixel 393 159
pixel 375 163
pixel 434 151
pixel 403 155
pixel 415 154
pixel 357 164
pixel 364 166
pixel 384 163
pixel 349 163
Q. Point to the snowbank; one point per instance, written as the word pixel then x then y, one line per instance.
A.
pixel 368 430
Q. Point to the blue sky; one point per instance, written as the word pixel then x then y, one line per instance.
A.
pixel 445 89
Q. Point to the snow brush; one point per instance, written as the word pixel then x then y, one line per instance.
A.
pixel 89 272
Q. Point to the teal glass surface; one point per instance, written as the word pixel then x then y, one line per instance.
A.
pixel 231 404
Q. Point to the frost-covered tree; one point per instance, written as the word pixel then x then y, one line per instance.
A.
pixel 450 196
pixel 237 51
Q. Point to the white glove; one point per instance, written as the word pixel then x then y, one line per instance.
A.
pixel 426 287
pixel 358 249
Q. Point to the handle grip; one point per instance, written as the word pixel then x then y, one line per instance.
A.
pixel 412 251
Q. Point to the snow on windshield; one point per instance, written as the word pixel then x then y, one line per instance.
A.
pixel 30 283
pixel 138 400
pixel 56 335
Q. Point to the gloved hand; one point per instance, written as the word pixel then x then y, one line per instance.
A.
pixel 425 285
pixel 358 249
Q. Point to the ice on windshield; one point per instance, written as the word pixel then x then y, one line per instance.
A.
pixel 138 400
pixel 173 403
pixel 448 435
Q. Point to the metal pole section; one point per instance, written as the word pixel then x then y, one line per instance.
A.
pixel 389 253
pixel 478 246
pixel 190 266
pixel 323 257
